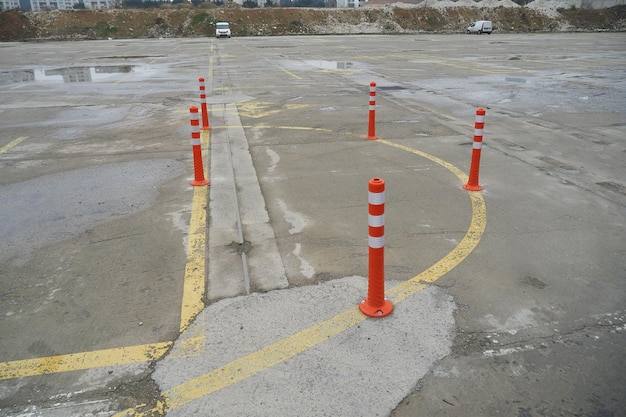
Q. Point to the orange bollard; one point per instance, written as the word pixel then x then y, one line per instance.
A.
pixel 371 128
pixel 205 112
pixel 479 125
pixel 198 167
pixel 375 304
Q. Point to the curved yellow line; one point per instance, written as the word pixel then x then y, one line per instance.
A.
pixel 460 252
pixel 291 346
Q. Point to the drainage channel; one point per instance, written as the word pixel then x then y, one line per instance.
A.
pixel 240 241
pixel 240 261
pixel 226 86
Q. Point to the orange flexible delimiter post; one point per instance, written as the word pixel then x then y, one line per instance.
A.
pixel 371 128
pixel 198 168
pixel 479 125
pixel 375 304
pixel 205 112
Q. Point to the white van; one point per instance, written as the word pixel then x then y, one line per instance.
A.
pixel 480 26
pixel 222 30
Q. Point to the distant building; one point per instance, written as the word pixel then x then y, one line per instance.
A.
pixel 9 4
pixel 351 3
pixel 39 5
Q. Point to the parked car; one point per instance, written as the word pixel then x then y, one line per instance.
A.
pixel 481 26
pixel 222 30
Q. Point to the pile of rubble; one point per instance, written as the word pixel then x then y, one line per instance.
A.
pixel 427 16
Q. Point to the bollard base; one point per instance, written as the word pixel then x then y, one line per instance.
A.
pixel 469 187
pixel 379 311
pixel 205 128
pixel 371 137
pixel 197 183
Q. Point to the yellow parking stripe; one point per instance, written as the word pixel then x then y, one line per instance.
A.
pixel 193 287
pixel 291 74
pixel 265 358
pixel 195 269
pixel 12 144
pixel 82 361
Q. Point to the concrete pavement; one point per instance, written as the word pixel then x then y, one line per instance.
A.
pixel 497 288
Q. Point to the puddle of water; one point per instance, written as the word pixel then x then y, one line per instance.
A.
pixel 68 74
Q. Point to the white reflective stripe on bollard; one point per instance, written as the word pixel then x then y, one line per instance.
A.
pixel 376 221
pixel 376 242
pixel 376 198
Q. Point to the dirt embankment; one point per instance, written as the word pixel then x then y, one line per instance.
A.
pixel 397 18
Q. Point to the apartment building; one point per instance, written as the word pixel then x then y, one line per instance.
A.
pixel 39 5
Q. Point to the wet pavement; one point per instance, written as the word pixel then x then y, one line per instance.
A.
pixel 126 291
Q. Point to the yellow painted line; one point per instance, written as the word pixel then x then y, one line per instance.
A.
pixel 291 74
pixel 459 174
pixel 263 359
pixel 249 365
pixel 289 347
pixel 477 68
pixel 12 144
pixel 339 71
pixel 447 62
pixel 473 235
pixel 195 269
pixel 312 129
pixel 193 287
pixel 82 361
pixel 258 109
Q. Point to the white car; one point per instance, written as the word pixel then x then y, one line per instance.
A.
pixel 222 30
pixel 481 26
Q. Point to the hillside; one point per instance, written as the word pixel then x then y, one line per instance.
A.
pixel 398 18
